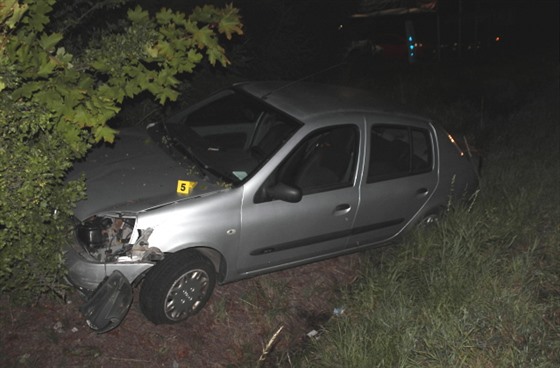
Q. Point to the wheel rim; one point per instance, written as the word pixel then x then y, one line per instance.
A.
pixel 186 294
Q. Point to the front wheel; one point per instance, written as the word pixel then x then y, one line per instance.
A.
pixel 177 287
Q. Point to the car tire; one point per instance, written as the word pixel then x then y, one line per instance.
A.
pixel 177 287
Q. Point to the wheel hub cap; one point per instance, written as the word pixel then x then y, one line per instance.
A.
pixel 185 294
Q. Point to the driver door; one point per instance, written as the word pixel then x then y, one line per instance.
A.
pixel 276 232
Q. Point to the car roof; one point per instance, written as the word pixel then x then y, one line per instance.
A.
pixel 306 100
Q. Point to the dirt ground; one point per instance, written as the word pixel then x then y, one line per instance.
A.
pixel 231 331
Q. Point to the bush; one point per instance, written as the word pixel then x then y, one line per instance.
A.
pixel 55 106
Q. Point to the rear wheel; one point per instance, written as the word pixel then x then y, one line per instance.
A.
pixel 177 287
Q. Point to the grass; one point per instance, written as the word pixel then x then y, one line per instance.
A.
pixel 481 288
pixel 464 293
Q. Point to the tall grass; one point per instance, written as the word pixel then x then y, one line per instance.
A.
pixel 481 288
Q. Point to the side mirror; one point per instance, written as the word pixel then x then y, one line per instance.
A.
pixel 284 193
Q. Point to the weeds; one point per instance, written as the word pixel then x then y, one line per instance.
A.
pixel 451 295
pixel 476 289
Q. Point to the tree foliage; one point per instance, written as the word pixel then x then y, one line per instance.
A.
pixel 55 105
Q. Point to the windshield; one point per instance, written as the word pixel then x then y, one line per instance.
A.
pixel 232 135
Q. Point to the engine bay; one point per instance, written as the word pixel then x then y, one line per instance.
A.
pixel 108 239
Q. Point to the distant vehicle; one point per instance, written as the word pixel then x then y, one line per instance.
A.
pixel 257 178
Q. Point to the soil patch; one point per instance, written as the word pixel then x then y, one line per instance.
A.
pixel 230 331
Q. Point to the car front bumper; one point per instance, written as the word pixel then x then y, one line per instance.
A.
pixel 107 285
pixel 86 273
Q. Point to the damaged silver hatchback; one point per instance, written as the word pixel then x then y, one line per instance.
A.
pixel 257 178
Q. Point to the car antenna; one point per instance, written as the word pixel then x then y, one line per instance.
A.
pixel 264 97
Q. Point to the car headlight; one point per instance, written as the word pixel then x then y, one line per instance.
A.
pixel 106 236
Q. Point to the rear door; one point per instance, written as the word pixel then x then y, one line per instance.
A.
pixel 399 177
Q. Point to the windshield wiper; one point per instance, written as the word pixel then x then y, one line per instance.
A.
pixel 186 150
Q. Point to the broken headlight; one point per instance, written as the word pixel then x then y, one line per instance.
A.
pixel 111 239
pixel 104 236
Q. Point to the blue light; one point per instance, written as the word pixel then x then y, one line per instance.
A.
pixel 409 38
pixel 411 47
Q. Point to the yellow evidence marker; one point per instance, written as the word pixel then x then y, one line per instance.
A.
pixel 185 186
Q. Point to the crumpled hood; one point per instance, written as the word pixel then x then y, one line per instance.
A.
pixel 133 174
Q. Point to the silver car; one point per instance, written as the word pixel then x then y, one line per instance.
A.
pixel 257 178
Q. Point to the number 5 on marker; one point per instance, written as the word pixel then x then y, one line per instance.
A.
pixel 185 187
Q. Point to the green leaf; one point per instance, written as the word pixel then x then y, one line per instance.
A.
pixel 230 22
pixel 46 68
pixel 164 16
pixel 38 18
pixel 152 51
pixel 217 54
pixel 194 56
pixel 138 15
pixel 105 133
pixel 204 37
pixel 167 94
pixel 80 116
pixel 63 56
pixel 27 89
pixel 48 42
pixel 131 89
pixel 11 13
pixel 204 14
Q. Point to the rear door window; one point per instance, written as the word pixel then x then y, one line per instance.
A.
pixel 397 151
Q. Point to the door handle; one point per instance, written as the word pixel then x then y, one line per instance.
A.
pixel 342 209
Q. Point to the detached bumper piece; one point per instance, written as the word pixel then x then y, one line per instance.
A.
pixel 109 303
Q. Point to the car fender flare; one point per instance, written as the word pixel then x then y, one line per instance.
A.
pixel 206 250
